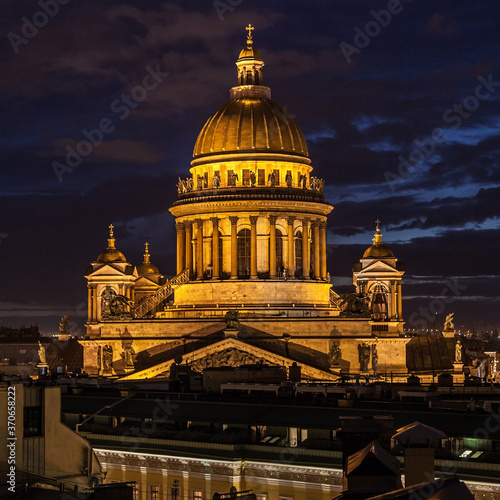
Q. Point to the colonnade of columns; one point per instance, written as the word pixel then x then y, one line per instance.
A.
pixel 187 232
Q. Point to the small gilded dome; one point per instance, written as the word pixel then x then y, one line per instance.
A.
pixel 146 267
pixel 250 52
pixel 111 254
pixel 378 250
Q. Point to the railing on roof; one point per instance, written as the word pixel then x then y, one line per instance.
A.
pixel 151 301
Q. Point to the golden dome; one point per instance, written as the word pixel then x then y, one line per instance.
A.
pixel 250 52
pixel 248 125
pixel 111 254
pixel 146 267
pixel 378 250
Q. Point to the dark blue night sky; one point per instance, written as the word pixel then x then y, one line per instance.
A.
pixel 399 102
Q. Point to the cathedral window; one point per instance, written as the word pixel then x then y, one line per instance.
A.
pixel 276 177
pixel 379 303
pixel 262 177
pixel 246 177
pixel 298 253
pixel 279 251
pixel 244 253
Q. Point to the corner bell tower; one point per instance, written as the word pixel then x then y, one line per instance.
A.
pixel 379 275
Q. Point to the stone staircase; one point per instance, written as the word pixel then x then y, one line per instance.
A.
pixel 160 295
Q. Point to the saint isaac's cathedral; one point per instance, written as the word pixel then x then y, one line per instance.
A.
pixel 252 286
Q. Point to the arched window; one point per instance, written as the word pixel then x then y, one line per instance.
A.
pixel 298 253
pixel 244 253
pixel 379 303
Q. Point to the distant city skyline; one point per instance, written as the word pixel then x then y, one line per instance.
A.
pixel 101 105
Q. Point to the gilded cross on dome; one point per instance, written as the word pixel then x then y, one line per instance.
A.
pixel 249 28
pixel 111 239
pixel 377 240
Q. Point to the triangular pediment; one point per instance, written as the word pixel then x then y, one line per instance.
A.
pixel 146 282
pixel 113 269
pixel 379 266
pixel 239 351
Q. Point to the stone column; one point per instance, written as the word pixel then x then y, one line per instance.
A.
pixel 181 246
pixel 272 245
pixel 393 300
pixel 199 249
pixel 94 304
pixel 188 229
pixel 305 248
pixel 317 266
pixel 90 303
pixel 291 261
pixel 253 247
pixel 400 301
pixel 215 248
pixel 234 247
pixel 322 248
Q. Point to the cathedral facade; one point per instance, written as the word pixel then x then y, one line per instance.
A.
pixel 252 284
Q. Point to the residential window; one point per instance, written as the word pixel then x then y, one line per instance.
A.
pixel 197 495
pixel 32 421
pixel 135 491
pixel 153 492
pixel 261 496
